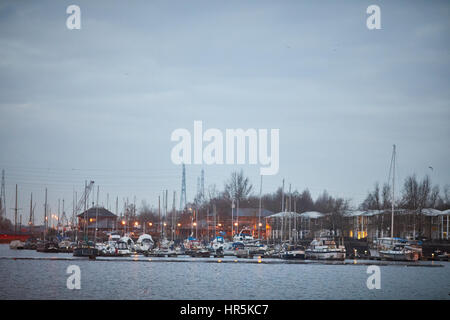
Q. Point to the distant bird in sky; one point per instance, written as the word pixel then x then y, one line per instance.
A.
pixel 431 168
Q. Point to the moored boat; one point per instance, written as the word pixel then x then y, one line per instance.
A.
pixel 144 243
pixel 85 249
pixel 47 246
pixel 293 253
pixel 399 253
pixel 65 246
pixel 325 249
pixel 16 245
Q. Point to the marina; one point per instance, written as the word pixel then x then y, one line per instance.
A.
pixel 225 150
pixel 140 277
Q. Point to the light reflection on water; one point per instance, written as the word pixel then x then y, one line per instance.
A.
pixel 118 279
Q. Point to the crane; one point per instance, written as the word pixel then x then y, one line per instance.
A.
pixel 83 200
pixel 84 197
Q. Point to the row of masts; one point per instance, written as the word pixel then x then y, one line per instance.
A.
pixel 286 206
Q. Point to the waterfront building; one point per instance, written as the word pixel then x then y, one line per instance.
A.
pixel 97 217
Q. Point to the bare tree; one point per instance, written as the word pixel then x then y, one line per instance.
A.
pixel 372 201
pixel 238 187
pixel 386 196
pixel 434 199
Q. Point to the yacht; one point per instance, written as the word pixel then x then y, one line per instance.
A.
pixel 16 245
pixel 47 246
pixel 400 252
pixel 395 248
pixel 144 243
pixel 325 249
pixel 229 248
pixel 85 249
pixel 130 243
pixel 65 246
pixel 217 244
pixel 254 246
pixel 122 248
pixel 291 252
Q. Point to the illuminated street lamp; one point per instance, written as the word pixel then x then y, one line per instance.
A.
pixel 196 229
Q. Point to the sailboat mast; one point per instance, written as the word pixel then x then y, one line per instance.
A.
pixel 30 222
pixel 260 205
pixel 45 214
pixel 393 191
pixel 96 217
pixel 15 214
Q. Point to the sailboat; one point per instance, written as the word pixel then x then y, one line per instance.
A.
pixel 393 248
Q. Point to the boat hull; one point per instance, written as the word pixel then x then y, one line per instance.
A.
pixel 330 255
pixel 402 256
pixel 85 252
pixel 294 255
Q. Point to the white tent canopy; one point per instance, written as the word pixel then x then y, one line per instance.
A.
pixel 356 213
pixel 369 213
pixel 435 212
pixel 285 215
pixel 311 215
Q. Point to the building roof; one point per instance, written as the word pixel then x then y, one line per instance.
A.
pixel 252 212
pixel 92 213
pixel 312 214
pixel 369 213
pixel 285 214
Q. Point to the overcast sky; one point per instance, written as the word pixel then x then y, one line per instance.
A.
pixel 100 103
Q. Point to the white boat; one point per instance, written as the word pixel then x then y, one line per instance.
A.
pixel 391 248
pixel 217 244
pixel 122 248
pixel 243 236
pixel 382 244
pixel 65 246
pixel 16 245
pixel 229 248
pixel 129 242
pixel 399 252
pixel 324 249
pixel 254 246
pixel 144 243
pixel 113 237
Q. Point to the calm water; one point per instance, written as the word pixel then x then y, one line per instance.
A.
pixel 139 278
